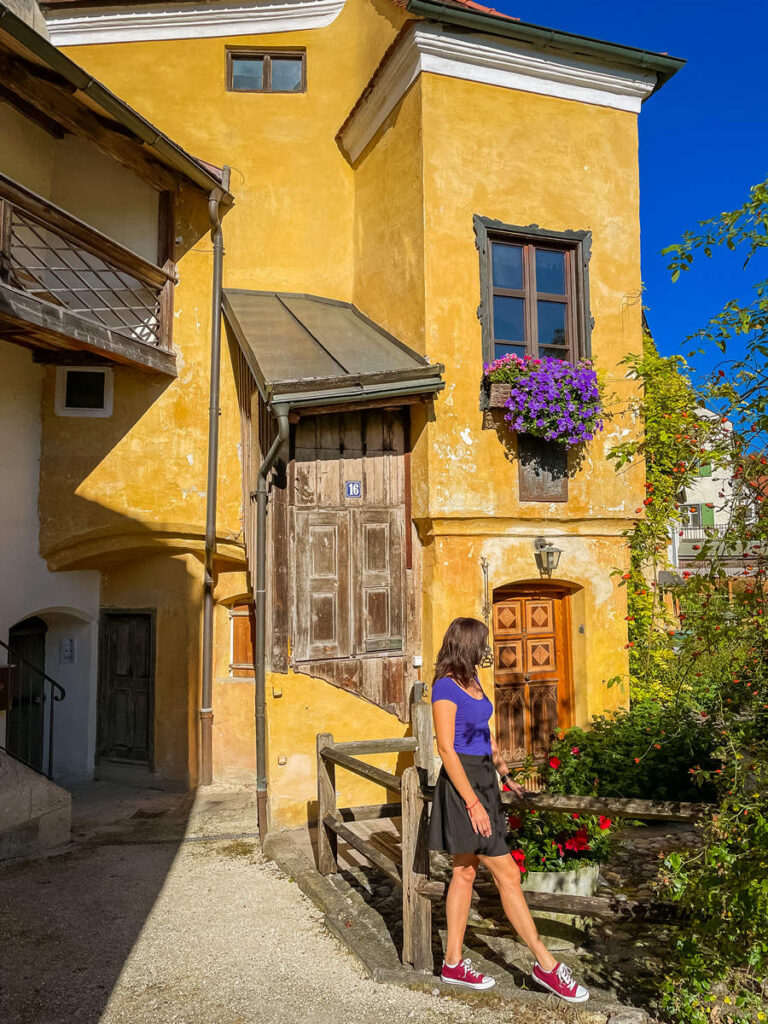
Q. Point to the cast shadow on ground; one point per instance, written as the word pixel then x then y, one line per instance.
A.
pixel 70 923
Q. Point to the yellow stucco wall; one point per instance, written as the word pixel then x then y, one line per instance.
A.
pixel 394 234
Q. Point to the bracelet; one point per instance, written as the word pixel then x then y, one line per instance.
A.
pixel 470 806
pixel 505 779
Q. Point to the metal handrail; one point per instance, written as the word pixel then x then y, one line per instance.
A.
pixel 58 693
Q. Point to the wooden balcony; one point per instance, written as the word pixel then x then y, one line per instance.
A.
pixel 67 288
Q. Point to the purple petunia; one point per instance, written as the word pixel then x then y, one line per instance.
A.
pixel 549 398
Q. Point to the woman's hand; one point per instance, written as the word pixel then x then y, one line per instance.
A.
pixel 481 823
pixel 517 790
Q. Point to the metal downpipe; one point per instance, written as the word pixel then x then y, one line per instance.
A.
pixel 262 494
pixel 214 412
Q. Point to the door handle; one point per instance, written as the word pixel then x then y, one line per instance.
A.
pixel 526 678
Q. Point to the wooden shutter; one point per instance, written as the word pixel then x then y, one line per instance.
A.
pixel 378 573
pixel 323 621
pixel 243 633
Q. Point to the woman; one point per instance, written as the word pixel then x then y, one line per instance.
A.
pixel 468 819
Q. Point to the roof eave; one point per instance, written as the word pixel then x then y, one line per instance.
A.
pixel 663 66
pixel 164 148
pixel 359 392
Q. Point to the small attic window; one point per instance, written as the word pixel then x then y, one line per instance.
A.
pixel 251 70
pixel 83 391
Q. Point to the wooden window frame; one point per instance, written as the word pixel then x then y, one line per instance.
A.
pixel 252 52
pixel 240 610
pixel 576 245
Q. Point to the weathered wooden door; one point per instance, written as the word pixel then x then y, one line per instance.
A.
pixel 126 683
pixel 532 679
pixel 350 521
pixel 24 727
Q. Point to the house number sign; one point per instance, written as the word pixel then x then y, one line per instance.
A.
pixel 354 489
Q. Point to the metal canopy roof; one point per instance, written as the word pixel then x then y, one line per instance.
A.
pixel 305 350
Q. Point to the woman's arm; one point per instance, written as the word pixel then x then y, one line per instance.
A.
pixel 444 715
pixel 498 761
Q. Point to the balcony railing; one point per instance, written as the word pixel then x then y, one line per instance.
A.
pixel 696 533
pixel 51 256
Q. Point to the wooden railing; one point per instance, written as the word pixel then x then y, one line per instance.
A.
pixel 50 255
pixel 412 871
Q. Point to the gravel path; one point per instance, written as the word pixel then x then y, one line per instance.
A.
pixel 197 932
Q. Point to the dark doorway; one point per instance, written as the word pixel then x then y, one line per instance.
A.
pixel 25 724
pixel 126 686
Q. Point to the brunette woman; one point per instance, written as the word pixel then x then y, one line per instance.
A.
pixel 468 818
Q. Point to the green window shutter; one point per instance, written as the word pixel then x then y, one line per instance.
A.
pixel 706 469
pixel 707 516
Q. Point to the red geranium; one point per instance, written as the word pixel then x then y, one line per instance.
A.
pixel 605 822
pixel 519 857
pixel 554 762
pixel 575 751
pixel 578 842
pixel 514 821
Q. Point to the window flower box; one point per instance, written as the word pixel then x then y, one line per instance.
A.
pixel 548 398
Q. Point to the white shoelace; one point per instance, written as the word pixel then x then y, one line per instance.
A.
pixel 564 974
pixel 467 965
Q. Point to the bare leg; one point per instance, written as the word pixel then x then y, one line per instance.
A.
pixel 457 903
pixel 506 875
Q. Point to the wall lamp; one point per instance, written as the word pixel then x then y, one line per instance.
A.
pixel 547 556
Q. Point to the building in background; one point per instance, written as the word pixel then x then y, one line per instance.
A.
pixel 97 206
pixel 419 187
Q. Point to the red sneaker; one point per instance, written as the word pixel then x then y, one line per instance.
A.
pixel 559 981
pixel 463 974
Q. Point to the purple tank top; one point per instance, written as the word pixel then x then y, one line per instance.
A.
pixel 472 736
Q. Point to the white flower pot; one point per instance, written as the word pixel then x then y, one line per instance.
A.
pixel 562 931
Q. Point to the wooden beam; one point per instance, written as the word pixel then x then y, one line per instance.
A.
pixel 392 746
pixel 601 907
pixel 417 910
pixel 57 327
pixel 373 403
pixel 370 812
pixel 645 810
pixel 57 103
pixel 368 850
pixel 326 807
pixel 365 771
pixel 82 235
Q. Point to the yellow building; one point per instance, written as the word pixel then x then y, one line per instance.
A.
pixel 418 187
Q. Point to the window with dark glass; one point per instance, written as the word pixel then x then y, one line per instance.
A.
pixel 532 299
pixel 534 291
pixel 266 71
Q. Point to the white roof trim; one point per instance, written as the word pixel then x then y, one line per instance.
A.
pixel 131 24
pixel 494 61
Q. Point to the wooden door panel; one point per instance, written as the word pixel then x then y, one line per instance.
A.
pixel 540 655
pixel 508 658
pixel 379 557
pixel 508 618
pixel 323 614
pixel 543 718
pixel 511 722
pixel 126 686
pixel 539 616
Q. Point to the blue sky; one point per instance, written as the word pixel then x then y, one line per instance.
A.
pixel 703 138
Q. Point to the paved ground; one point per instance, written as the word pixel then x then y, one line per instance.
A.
pixel 160 915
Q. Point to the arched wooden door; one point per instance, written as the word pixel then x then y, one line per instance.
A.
pixel 532 669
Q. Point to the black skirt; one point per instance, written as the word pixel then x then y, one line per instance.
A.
pixel 450 828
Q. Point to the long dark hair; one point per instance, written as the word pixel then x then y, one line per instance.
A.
pixel 462 650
